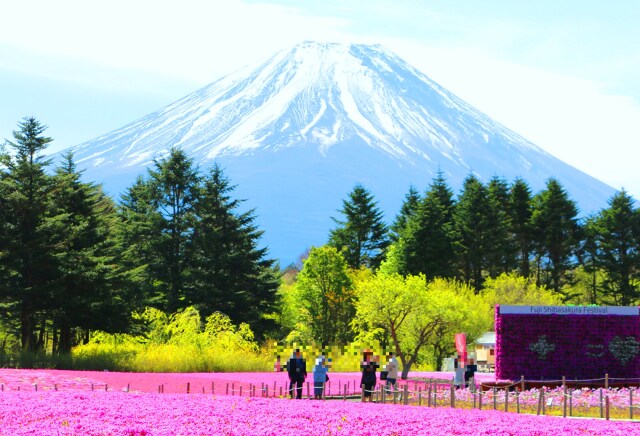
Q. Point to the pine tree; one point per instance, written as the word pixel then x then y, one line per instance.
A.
pixel 520 210
pixel 362 236
pixel 474 221
pixel 502 257
pixel 83 292
pixel 409 207
pixel 174 182
pixel 230 273
pixel 427 243
pixel 557 235
pixel 619 244
pixel 27 259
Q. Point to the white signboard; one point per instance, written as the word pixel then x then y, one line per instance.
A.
pixel 570 310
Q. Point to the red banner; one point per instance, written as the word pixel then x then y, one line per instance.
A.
pixel 461 347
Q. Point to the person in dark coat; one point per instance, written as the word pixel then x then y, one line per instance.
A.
pixel 369 365
pixel 297 370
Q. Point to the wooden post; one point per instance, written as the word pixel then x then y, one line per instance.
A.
pixel 362 394
pixel 539 402
pixel 517 401
pixel 36 386
pixel 630 403
pixel 55 387
pixel 227 388
pixel 606 381
pixel 213 388
pixel 601 404
pixel 570 402
pixel 106 387
pixel 480 399
pixel 406 394
pixel 419 396
pixel 280 391
pixel 274 389
pixel 544 404
pixel 384 395
pixel 474 400
pixel 308 393
pixel 240 390
pixel 344 398
pixel 127 387
pixel 495 400
pixel 522 383
pixel 188 387
pixel 606 402
pixel 428 396
pixel 266 391
pixel 452 401
pixel 564 397
pixel 506 399
pixel 91 386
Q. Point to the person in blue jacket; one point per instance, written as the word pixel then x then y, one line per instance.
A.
pixel 320 376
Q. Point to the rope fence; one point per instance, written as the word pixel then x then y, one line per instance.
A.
pixel 562 397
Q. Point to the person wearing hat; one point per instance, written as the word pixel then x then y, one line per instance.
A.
pixel 320 376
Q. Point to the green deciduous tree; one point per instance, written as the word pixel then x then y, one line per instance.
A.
pixel 414 314
pixel 326 295
pixel 362 235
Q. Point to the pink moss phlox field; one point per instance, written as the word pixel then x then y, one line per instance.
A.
pixel 121 413
pixel 14 379
pixel 576 346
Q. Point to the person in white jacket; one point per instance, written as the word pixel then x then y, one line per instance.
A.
pixel 392 372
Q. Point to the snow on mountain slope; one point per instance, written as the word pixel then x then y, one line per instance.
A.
pixel 298 131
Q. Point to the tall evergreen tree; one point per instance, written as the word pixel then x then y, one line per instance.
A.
pixel 557 235
pixel 520 211
pixel 502 258
pixel 362 236
pixel 174 182
pixel 474 219
pixel 231 273
pixel 619 245
pixel 427 242
pixel 27 260
pixel 409 207
pixel 84 293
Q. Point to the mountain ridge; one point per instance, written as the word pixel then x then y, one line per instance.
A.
pixel 313 121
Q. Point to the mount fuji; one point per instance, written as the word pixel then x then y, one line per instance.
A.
pixel 297 132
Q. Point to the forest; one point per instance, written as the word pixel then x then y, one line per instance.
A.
pixel 78 268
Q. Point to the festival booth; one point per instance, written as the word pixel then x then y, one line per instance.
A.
pixel 576 342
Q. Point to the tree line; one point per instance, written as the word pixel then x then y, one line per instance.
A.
pixel 495 228
pixel 73 261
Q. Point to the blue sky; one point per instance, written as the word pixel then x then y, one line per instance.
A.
pixel 564 74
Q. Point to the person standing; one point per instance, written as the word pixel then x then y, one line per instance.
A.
pixel 297 370
pixel 320 376
pixel 392 372
pixel 369 365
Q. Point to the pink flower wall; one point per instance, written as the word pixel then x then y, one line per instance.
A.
pixel 549 346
